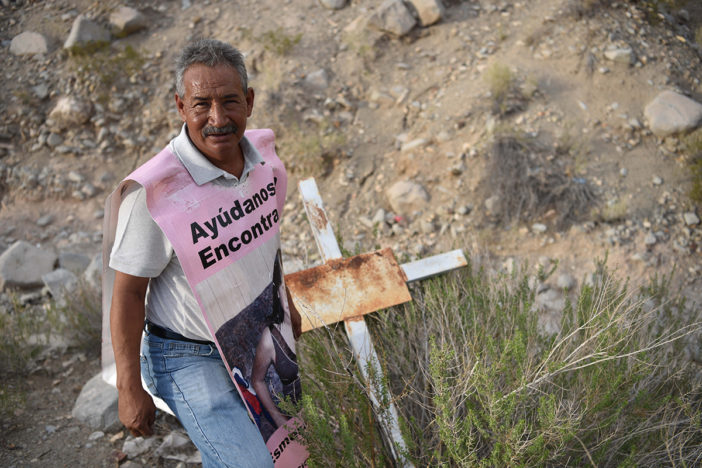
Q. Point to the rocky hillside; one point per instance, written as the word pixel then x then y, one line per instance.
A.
pixel 396 110
pixel 541 130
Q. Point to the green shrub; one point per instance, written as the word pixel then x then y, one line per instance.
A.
pixel 78 317
pixel 501 82
pixel 102 66
pixel 279 42
pixel 693 149
pixel 17 324
pixel 477 383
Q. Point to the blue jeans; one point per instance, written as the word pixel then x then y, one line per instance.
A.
pixel 193 381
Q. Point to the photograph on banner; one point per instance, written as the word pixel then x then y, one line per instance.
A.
pixel 257 343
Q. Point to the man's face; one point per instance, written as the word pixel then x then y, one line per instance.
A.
pixel 215 109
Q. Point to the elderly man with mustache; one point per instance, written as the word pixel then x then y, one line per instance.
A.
pixel 178 358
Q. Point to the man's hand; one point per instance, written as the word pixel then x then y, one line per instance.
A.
pixel 137 411
pixel 295 319
pixel 136 407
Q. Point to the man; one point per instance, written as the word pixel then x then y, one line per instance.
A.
pixel 179 360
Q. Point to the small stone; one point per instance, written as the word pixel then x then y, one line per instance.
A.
pixel 135 446
pixel 333 4
pixel 54 140
pixel 96 435
pixel 89 190
pixel 427 226
pixel 381 98
pixel 29 43
pixel 318 79
pixel 539 228
pixel 691 218
pixel 75 177
pixel 313 115
pixel 70 111
pixel 406 197
pixel 620 54
pixel 623 172
pixel 634 123
pixel 366 222
pixel 656 180
pixel 41 91
pixel 464 209
pixel 173 442
pixel 428 11
pixel 414 144
pixel 457 169
pixel 45 220
pixel 650 239
pixel 379 217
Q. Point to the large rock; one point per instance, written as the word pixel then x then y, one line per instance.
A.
pixel 96 405
pixel 333 4
pixel 93 274
pixel 29 43
pixel 407 197
pixel 70 111
pixel 125 20
pixel 60 282
pixel 550 304
pixel 623 54
pixel 85 31
pixel 671 113
pixel 74 262
pixel 22 266
pixel 393 17
pixel 428 11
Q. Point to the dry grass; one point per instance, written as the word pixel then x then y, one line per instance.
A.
pixel 531 182
pixel 477 384
pixel 507 97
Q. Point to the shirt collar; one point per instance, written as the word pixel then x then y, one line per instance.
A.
pixel 201 169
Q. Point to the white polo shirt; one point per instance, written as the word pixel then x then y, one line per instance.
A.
pixel 141 248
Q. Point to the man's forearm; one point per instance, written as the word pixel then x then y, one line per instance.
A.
pixel 136 407
pixel 126 324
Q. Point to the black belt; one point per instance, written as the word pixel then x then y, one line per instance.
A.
pixel 167 334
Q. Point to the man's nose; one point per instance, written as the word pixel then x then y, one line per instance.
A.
pixel 217 116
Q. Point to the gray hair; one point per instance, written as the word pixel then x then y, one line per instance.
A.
pixel 211 53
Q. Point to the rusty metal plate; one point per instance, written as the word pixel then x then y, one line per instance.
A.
pixel 348 287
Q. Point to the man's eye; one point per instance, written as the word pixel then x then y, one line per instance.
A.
pixel 201 104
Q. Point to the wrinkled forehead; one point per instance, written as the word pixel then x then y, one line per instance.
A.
pixel 200 75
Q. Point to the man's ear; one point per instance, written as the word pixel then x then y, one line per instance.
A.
pixel 181 106
pixel 249 101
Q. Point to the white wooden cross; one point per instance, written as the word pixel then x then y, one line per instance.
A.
pixel 336 291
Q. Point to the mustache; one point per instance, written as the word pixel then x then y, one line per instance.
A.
pixel 212 130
